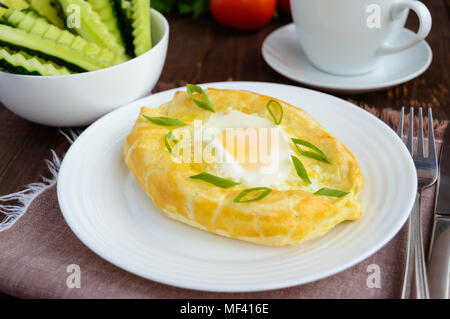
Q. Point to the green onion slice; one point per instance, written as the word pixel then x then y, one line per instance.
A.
pixel 206 104
pixel 245 192
pixel 215 180
pixel 331 192
pixel 277 122
pixel 164 121
pixel 301 171
pixel 166 141
pixel 318 155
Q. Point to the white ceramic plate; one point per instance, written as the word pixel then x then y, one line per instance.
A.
pixel 282 51
pixel 111 214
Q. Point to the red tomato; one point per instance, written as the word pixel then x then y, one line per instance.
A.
pixel 243 14
pixel 285 6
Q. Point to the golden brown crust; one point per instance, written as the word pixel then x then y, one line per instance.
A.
pixel 285 217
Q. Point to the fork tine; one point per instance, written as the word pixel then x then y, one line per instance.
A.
pixel 409 141
pixel 431 143
pixel 420 135
pixel 400 123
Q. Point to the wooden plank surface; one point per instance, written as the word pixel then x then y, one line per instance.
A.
pixel 201 51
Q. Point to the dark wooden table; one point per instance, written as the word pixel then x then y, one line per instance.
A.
pixel 201 51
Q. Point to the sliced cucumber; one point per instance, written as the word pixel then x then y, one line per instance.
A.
pixel 49 10
pixel 38 37
pixel 16 4
pixel 140 15
pixel 2 10
pixel 125 25
pixel 91 27
pixel 126 4
pixel 22 63
pixel 107 13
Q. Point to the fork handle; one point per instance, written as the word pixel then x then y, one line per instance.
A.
pixel 409 264
pixel 419 256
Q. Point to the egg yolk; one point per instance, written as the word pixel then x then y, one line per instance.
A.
pixel 253 148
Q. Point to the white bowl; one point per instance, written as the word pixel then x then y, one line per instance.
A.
pixel 80 99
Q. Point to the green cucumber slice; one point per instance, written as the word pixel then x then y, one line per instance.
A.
pixel 140 15
pixel 91 27
pixel 2 11
pixel 36 36
pixel 107 13
pixel 49 10
pixel 16 4
pixel 126 4
pixel 124 20
pixel 22 63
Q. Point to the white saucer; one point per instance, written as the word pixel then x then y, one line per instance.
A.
pixel 282 51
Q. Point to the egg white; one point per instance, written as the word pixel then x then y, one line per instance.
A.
pixel 272 174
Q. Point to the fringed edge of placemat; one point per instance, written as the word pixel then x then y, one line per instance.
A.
pixel 22 199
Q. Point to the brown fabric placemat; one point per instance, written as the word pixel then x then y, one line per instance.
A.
pixel 35 253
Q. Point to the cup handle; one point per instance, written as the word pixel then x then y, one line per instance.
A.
pixel 424 24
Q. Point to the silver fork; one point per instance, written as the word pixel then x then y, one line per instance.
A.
pixel 426 176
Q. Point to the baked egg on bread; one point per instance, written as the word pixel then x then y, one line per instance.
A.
pixel 243 165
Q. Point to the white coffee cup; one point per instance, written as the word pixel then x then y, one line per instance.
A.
pixel 349 37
